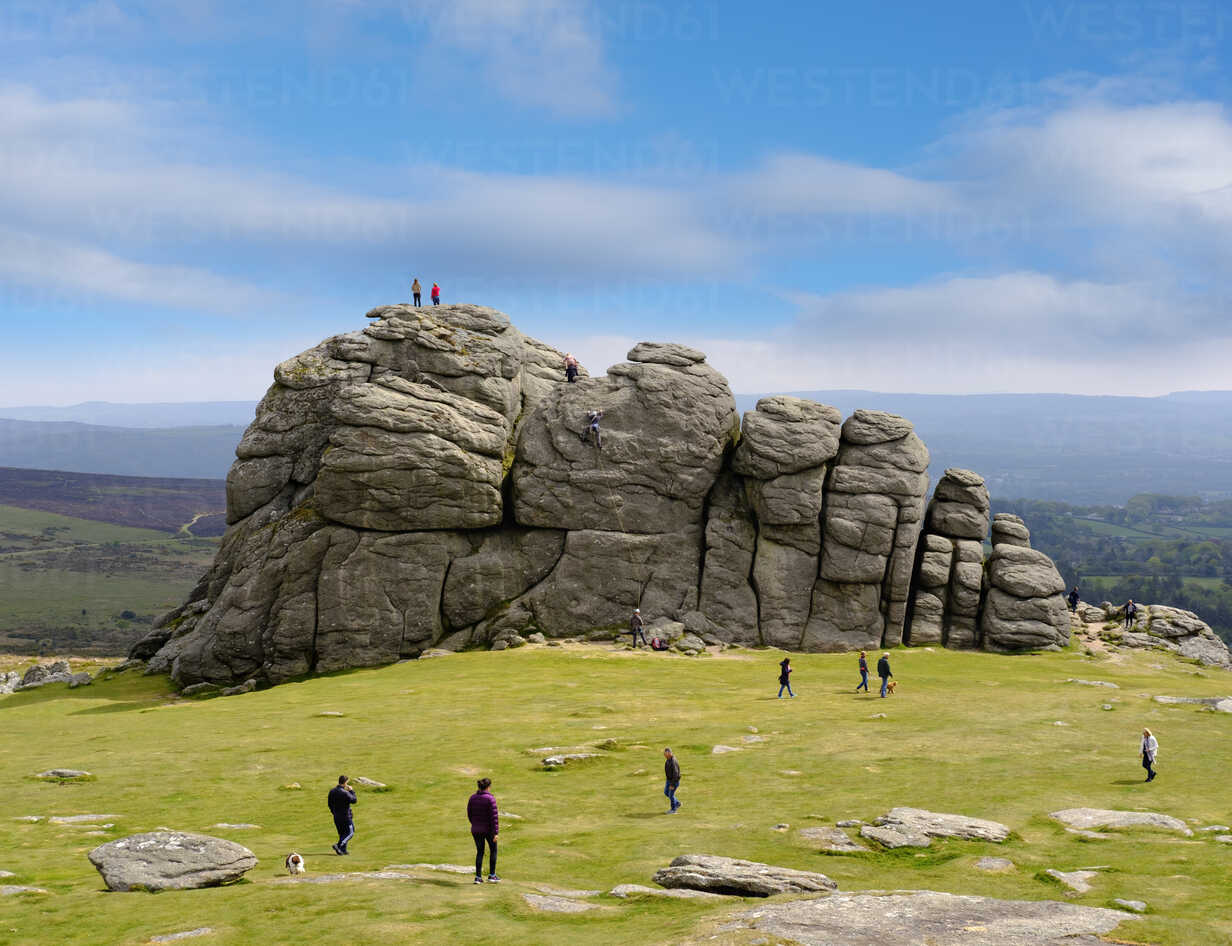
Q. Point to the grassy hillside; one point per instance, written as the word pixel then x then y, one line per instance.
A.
pixel 967 732
pixel 80 585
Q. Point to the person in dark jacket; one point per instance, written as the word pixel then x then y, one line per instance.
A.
pixel 785 677
pixel 863 673
pixel 341 798
pixel 671 771
pixel 1073 600
pixel 636 625
pixel 1131 612
pixel 883 671
pixel 485 826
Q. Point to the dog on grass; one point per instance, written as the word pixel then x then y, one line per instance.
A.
pixel 890 687
pixel 295 863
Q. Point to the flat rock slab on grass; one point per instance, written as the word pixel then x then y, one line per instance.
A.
pixel 1093 683
pixel 10 890
pixel 739 878
pixel 1133 906
pixel 5 874
pixel 186 934
pixel 831 840
pixel 637 890
pixel 344 878
pixel 565 758
pixel 1105 818
pixel 554 891
pixel 64 775
pixel 440 868
pixel 893 838
pixel 1075 880
pixel 549 904
pixel 1214 702
pixel 368 782
pixel 721 749
pixel 171 860
pixel 224 826
pixel 939 919
pixel 937 825
pixel 80 819
pixel 994 864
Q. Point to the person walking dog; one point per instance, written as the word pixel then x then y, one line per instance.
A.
pixel 1150 749
pixel 481 812
pixel 671 772
pixel 883 671
pixel 340 799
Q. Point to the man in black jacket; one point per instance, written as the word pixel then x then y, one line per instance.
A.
pixel 671 769
pixel 883 671
pixel 341 798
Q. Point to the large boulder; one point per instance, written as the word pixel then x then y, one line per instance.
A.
pixel 1024 608
pixel 170 860
pixel 739 878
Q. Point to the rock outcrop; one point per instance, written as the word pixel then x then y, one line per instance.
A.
pixel 738 878
pixel 427 484
pixel 170 860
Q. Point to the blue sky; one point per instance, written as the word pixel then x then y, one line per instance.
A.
pixel 984 197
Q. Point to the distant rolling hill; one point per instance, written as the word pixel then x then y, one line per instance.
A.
pixel 109 414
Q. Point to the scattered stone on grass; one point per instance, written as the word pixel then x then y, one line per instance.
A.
pixel 849 823
pixel 831 840
pixel 751 739
pixel 64 775
pixel 435 652
pixel 331 714
pixel 1075 880
pixel 1211 701
pixel 246 687
pixel 564 758
pixel 12 890
pixel 200 689
pixel 1093 683
pixel 292 787
pixel 349 876
pixel 364 782
pixel 939 919
pixel 1216 827
pixel 1060 723
pixel 79 819
pixel 637 890
pixel 939 825
pixel 440 868
pixel 781 826
pixel 1089 835
pixel 5 874
pixel 893 839
pixel 187 934
pixel 720 749
pixel 878 716
pixel 240 826
pixel 170 860
pixel 548 904
pixel 555 891
pixel 31 819
pixel 1133 906
pixel 1106 818
pixel 1224 838
pixel 994 865
pixel 739 878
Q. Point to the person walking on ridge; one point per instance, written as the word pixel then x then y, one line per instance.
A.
pixel 416 289
pixel 482 813
pixel 785 677
pixel 571 368
pixel 436 294
pixel 883 671
pixel 671 772
pixel 1150 749
pixel 863 673
pixel 636 625
pixel 341 798
pixel 1131 612
pixel 1073 600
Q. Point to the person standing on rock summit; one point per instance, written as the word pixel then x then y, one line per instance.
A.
pixel 863 673
pixel 416 289
pixel 1150 749
pixel 636 625
pixel 436 294
pixel 571 368
pixel 671 772
pixel 883 671
pixel 482 813
pixel 1131 612
pixel 341 798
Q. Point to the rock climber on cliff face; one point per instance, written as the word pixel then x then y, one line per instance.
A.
pixel 592 428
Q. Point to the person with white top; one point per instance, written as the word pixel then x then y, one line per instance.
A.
pixel 1150 749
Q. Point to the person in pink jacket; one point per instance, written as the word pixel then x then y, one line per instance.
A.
pixel 485 826
pixel 436 294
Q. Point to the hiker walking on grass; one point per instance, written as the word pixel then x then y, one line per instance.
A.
pixel 671 772
pixel 1073 600
pixel 485 826
pixel 785 677
pixel 863 673
pixel 341 798
pixel 571 368
pixel 636 624
pixel 1150 749
pixel 436 294
pixel 416 289
pixel 1131 612
pixel 883 671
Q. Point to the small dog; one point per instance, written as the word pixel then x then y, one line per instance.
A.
pixel 295 864
pixel 890 687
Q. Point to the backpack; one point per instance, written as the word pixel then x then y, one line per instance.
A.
pixel 657 643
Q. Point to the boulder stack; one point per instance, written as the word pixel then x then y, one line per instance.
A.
pixel 1024 608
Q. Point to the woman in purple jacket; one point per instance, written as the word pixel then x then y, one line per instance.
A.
pixel 485 826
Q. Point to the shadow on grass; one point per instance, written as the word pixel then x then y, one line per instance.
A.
pixel 119 706
pixel 1129 781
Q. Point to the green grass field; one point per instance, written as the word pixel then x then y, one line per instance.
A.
pixel 971 733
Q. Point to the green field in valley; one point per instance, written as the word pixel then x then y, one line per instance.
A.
pixel 972 733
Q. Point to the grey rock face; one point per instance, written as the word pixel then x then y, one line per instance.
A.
pixel 939 919
pixel 170 860
pixel 1087 818
pixel 1024 608
pixel 739 878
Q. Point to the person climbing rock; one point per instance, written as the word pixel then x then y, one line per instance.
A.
pixel 592 428
pixel 635 626
pixel 863 673
pixel 1131 612
pixel 436 294
pixel 1150 749
pixel 1073 600
pixel 571 368
pixel 785 677
pixel 671 772
pixel 482 813
pixel 340 799
pixel 883 671
pixel 416 289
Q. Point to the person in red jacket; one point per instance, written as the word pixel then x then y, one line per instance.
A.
pixel 485 826
pixel 436 294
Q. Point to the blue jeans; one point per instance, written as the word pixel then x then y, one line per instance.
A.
pixel 669 789
pixel 787 687
pixel 863 681
pixel 884 682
